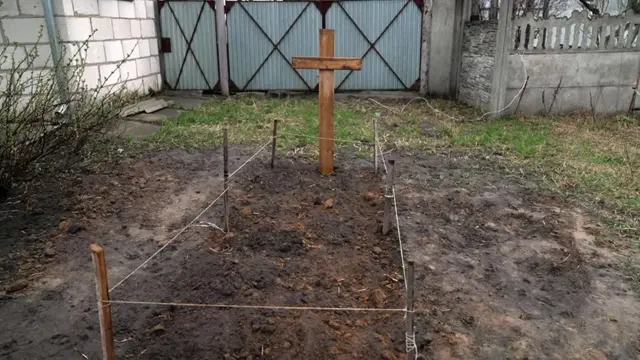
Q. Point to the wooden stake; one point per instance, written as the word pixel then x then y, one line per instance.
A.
pixel 388 199
pixel 225 154
pixel 104 308
pixel 411 354
pixel 375 146
pixel 326 86
pixel 273 142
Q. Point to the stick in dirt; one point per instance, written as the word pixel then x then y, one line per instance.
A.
pixel 388 199
pixel 273 142
pixel 411 350
pixel 375 146
pixel 104 308
pixel 225 154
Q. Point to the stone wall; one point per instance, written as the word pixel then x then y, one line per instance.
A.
pixel 115 28
pixel 478 57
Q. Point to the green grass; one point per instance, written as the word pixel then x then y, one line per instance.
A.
pixel 249 119
pixel 526 140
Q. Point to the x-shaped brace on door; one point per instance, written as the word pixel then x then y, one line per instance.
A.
pixel 189 41
pixel 372 45
pixel 275 45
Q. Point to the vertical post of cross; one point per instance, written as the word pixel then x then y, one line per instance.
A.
pixel 326 85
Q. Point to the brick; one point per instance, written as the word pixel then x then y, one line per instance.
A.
pixel 136 31
pixel 143 44
pixel 131 49
pixel 128 70
pixel 148 28
pixel 141 9
pixel 143 67
pixel 31 7
pixel 91 77
pixel 14 55
pixel 121 28
pixel 96 53
pixel 14 30
pixel 113 50
pixel 109 74
pixel 43 56
pixel 86 7
pixel 151 82
pixel 153 46
pixel 63 7
pixel 108 8
pixel 155 64
pixel 126 9
pixel 150 9
pixel 9 8
pixel 74 28
pixel 103 28
pixel 135 85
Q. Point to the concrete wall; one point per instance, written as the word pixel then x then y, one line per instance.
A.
pixel 587 69
pixel 478 59
pixel 441 47
pixel 605 78
pixel 115 28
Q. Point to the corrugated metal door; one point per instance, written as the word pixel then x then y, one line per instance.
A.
pixel 264 36
pixel 188 44
pixel 386 34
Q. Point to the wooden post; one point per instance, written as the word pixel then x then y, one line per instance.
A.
pixel 273 142
pixel 411 354
pixel 225 155
pixel 221 35
pixel 104 308
pixel 375 146
pixel 326 85
pixel 388 199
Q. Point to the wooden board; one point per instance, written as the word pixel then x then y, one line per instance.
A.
pixel 326 93
pixel 326 63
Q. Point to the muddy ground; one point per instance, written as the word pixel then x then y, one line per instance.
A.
pixel 504 270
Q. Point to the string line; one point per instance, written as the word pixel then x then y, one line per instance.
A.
pixel 255 307
pixel 189 224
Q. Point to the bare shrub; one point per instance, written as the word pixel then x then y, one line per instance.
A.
pixel 48 115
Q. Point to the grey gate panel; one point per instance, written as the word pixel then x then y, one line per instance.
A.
pixel 386 34
pixel 189 48
pixel 264 36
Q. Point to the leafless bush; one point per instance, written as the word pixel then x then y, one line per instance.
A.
pixel 48 115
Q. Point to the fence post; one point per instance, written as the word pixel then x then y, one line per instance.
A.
pixel 225 155
pixel 501 65
pixel 411 340
pixel 104 308
pixel 388 199
pixel 221 34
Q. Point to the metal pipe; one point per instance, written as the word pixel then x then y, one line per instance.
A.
pixel 52 31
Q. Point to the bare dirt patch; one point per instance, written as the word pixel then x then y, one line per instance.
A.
pixel 503 269
pixel 509 272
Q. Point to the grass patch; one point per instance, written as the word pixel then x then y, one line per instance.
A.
pixel 525 139
pixel 250 120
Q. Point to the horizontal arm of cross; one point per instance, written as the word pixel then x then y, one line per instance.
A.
pixel 326 63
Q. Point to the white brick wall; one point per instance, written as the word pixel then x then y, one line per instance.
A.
pixel 113 28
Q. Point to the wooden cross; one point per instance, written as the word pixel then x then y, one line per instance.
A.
pixel 326 63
